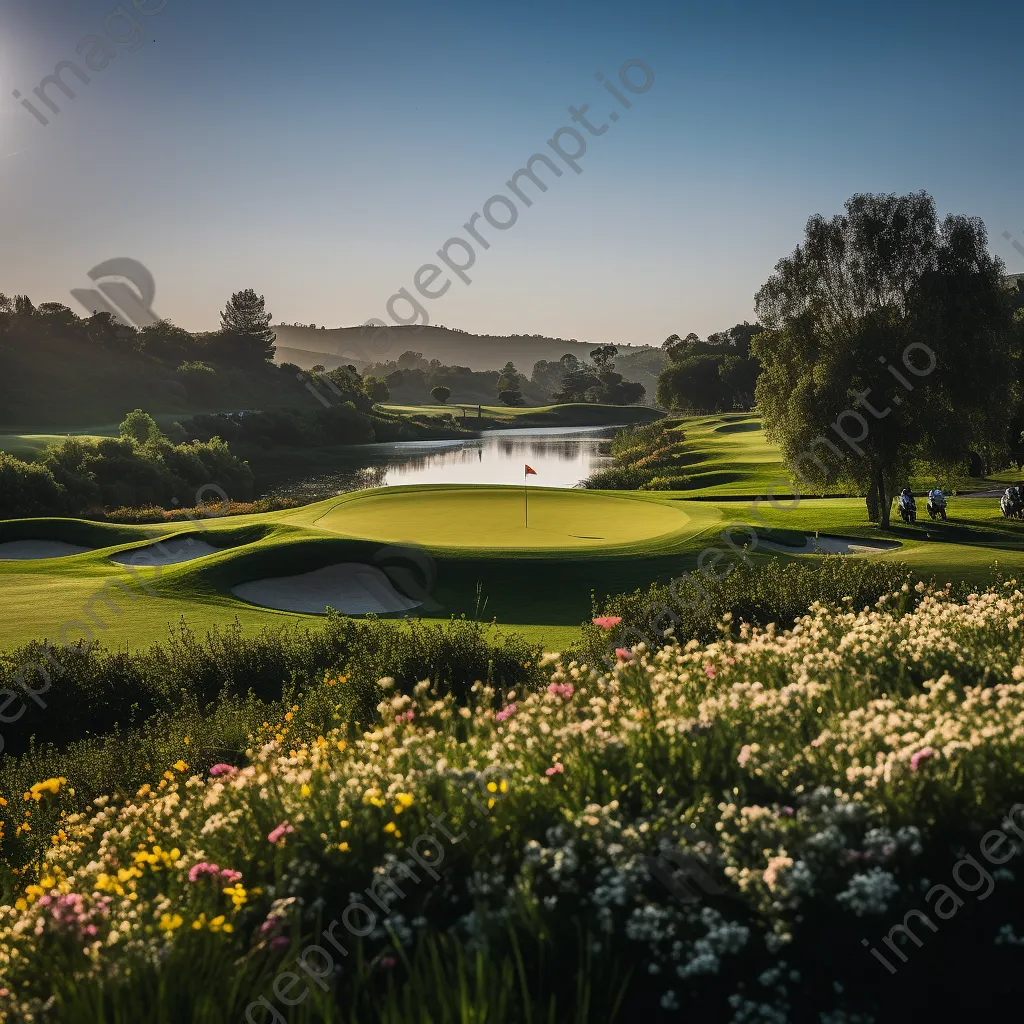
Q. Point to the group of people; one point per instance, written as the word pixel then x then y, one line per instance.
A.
pixel 908 507
pixel 935 494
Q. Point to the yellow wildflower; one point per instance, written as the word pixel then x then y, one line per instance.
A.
pixel 238 895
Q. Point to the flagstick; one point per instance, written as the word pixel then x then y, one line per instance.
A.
pixel 526 499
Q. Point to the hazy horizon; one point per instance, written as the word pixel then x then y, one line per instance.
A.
pixel 322 155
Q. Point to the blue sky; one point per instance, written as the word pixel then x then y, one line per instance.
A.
pixel 321 153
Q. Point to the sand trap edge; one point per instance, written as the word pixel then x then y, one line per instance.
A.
pixel 831 546
pixel 29 550
pixel 169 552
pixel 351 588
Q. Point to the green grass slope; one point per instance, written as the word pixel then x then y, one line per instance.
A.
pixel 480 559
pixel 571 414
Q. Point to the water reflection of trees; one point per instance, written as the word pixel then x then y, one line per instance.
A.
pixel 564 451
pixel 409 463
pixel 327 485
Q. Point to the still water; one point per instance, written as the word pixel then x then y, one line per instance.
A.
pixel 562 457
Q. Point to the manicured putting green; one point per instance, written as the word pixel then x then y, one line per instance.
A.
pixel 493 518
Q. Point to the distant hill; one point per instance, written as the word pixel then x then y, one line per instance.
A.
pixel 306 346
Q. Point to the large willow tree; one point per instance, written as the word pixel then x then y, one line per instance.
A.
pixel 888 337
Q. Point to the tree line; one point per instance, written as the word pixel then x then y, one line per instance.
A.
pixel 888 338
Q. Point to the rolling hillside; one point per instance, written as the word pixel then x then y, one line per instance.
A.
pixel 307 346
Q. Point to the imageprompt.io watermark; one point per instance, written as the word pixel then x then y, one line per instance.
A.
pixel 500 212
pixel 121 27
pixel 124 288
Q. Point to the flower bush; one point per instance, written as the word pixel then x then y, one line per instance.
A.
pixel 821 775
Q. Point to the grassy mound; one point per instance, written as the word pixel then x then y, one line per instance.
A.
pixel 709 831
pixel 569 414
pixel 494 518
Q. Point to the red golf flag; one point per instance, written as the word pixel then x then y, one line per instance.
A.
pixel 530 472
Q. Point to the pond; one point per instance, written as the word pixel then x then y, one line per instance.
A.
pixel 562 457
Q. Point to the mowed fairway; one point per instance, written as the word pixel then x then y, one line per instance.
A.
pixel 484 561
pixel 472 545
pixel 494 518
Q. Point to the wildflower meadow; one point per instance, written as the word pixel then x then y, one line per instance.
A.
pixel 484 853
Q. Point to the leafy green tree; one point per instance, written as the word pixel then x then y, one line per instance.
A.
pixel 888 338
pixel 679 349
pixel 246 322
pixel 140 428
pixel 441 394
pixel 693 384
pixel 510 385
pixel 548 374
pixel 376 389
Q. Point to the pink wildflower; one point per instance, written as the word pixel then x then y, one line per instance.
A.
pixel 280 942
pixel 623 653
pixel 230 876
pixel 202 869
pixel 921 755
pixel 506 712
pixel 406 716
pixel 709 669
pixel 556 769
pixel 280 832
pixel 607 621
pixel 563 690
pixel 223 769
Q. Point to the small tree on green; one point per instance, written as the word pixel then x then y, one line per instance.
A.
pixel 140 428
pixel 440 394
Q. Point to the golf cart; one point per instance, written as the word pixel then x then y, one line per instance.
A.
pixel 907 506
pixel 937 504
pixel 1012 503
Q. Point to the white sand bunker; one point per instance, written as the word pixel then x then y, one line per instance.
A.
pixel 39 549
pixel 170 552
pixel 830 546
pixel 349 587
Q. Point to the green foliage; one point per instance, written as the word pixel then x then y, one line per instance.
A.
pixel 198 378
pixel 693 604
pixel 647 457
pixel 598 383
pixel 441 394
pixel 712 376
pixel 141 468
pixel 245 325
pixel 885 285
pixel 93 689
pixel 28 489
pixel 140 429
pixel 376 389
